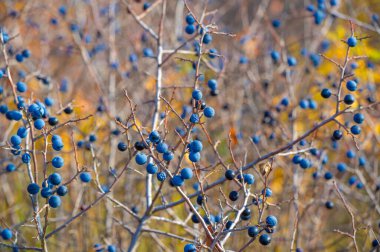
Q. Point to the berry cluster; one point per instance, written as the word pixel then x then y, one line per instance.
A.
pixel 247 132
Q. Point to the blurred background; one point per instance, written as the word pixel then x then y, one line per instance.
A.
pixel 86 53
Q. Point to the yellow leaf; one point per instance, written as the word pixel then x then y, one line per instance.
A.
pixel 150 83
pixel 138 124
pixel 278 180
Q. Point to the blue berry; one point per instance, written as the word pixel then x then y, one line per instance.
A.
pixel 243 60
pixel 151 168
pixel 146 6
pixel 334 2
pixel 329 205
pixel 249 179
pixel 212 84
pixel 352 41
pixel 92 138
pixel 209 112
pixel 271 221
pixel 359 185
pixel 161 176
pixel 315 59
pixel 315 152
pixel 285 101
pixel 54 201
pixel 190 29
pixel 246 214
pixel 10 167
pixel 212 219
pixel 13 115
pixel 194 118
pixel 19 58
pixel 55 179
pixel 3 108
pixel 57 145
pixel 21 87
pixel 197 94
pixel 26 158
pixel 312 104
pixel 325 159
pixel 168 156
pixel 111 248
pixel 190 248
pixel 267 191
pixel 375 243
pixel 154 136
pixel 49 101
pixel 85 177
pixel 265 239
pixel 196 146
pixel 304 104
pixel 341 167
pixel 148 52
pixel 194 156
pixel 33 188
pixel 39 124
pixel 304 163
pixel 215 219
pixel 62 190
pixel 190 19
pixel 200 199
pixel 359 118
pixel 233 196
pixel 46 192
pixel 296 159
pixel 26 53
pixel 292 61
pixel 196 186
pixel 105 189
pixel 253 231
pixel 162 147
pixel 177 180
pixel 186 173
pixel 62 10
pixel 207 38
pixel 275 56
pixel 303 142
pixel 98 248
pixel 35 111
pixel 74 27
pixel 276 23
pixel 350 154
pixel 133 58
pixel 22 132
pixel 328 175
pixel 351 85
pixel 356 130
pixel 352 180
pixel 362 161
pixel 349 99
pixel 212 53
pixel 319 16
pixel 256 139
pixel 229 224
pixel 6 234
pixel 121 146
pixel 57 162
pixel 16 140
pixel 338 134
pixel 80 143
pixel 230 174
pixel 141 158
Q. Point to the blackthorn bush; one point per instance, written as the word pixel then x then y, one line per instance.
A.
pixel 189 125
